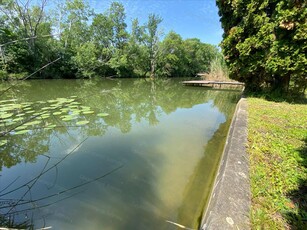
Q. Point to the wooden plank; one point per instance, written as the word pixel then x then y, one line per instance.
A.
pixel 207 83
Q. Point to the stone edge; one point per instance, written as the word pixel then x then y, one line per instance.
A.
pixel 229 204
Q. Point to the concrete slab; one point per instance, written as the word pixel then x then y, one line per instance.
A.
pixel 229 206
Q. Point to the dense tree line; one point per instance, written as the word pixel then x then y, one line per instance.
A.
pixel 265 43
pixel 90 44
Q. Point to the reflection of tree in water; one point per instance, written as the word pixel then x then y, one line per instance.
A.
pixel 24 148
pixel 127 101
pixel 131 101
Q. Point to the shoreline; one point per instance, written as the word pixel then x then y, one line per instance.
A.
pixel 230 201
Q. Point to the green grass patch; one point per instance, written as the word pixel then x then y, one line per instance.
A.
pixel 277 140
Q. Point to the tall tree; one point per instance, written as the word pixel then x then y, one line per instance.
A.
pixel 119 60
pixel 72 23
pixel 137 51
pixel 75 23
pixel 265 42
pixel 152 41
pixel 117 16
pixel 102 36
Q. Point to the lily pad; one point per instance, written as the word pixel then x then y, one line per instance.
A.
pixel 9 100
pixel 45 116
pixel 20 115
pixel 52 101
pixel 36 122
pixel 68 118
pixel 46 108
pixel 22 132
pixel 50 126
pixel 18 119
pixel 5 115
pixel 21 127
pixel 88 112
pixel 82 122
pixel 102 114
pixel 85 108
pixel 6 109
pixel 3 142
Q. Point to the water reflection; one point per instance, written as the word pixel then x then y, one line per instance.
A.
pixel 152 142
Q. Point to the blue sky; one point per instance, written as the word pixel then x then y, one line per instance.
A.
pixel 189 18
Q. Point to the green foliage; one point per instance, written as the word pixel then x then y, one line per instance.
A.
pixel 151 40
pixel 186 57
pixel 265 43
pixel 277 135
pixel 86 44
pixel 172 60
pixel 86 60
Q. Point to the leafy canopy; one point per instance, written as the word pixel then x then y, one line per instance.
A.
pixel 265 42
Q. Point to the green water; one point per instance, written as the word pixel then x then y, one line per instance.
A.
pixel 147 163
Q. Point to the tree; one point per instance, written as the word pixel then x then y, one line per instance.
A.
pixel 87 44
pixel 117 16
pixel 287 61
pixel 118 37
pixel 86 60
pixel 102 35
pixel 27 33
pixel 152 38
pixel 75 23
pixel 71 23
pixel 198 56
pixel 136 51
pixel 173 57
pixel 264 42
pixel 24 18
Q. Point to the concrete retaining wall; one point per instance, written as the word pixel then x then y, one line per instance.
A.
pixel 229 206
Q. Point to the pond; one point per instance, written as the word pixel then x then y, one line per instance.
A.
pixel 109 154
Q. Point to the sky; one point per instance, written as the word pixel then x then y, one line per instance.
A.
pixel 189 18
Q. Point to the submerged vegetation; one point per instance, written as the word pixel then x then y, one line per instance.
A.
pixel 277 141
pixel 87 44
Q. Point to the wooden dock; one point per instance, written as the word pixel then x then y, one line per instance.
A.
pixel 211 83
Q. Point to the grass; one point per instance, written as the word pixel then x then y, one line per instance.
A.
pixel 277 144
